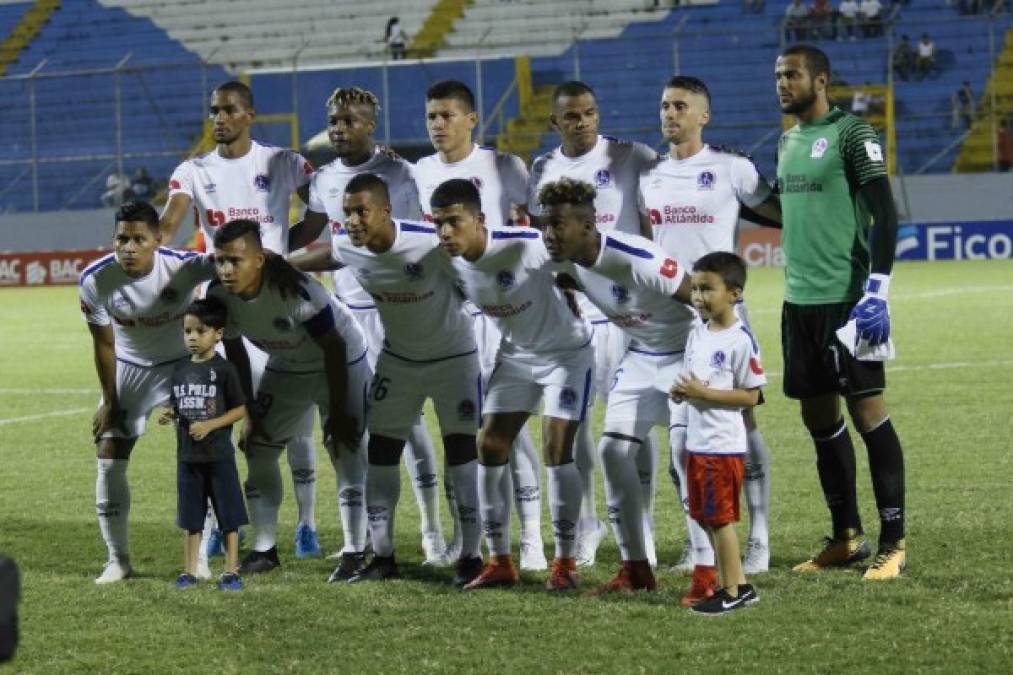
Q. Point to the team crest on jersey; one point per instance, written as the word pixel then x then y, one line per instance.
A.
pixel 262 182
pixel 120 302
pixel 212 375
pixel 477 182
pixel 819 148
pixel 705 181
pixel 466 410
pixel 620 293
pixel 505 279
pixel 168 294
pixel 282 323
pixel 567 398
pixel 602 177
pixel 414 271
pixel 718 359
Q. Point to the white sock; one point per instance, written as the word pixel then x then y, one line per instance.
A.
pixel 383 488
pixel 703 552
pixel 647 466
pixel 112 504
pixel 351 470
pixel 494 500
pixel 263 495
pixel 624 496
pixel 466 489
pixel 302 460
pixel 757 485
pixel 526 475
pixel 450 492
pixel 210 523
pixel 420 460
pixel 585 457
pixel 564 507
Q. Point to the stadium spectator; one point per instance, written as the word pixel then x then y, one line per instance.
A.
pixel 903 58
pixel 821 19
pixel 754 6
pixel 796 18
pixel 1004 141
pixel 926 56
pixel 962 105
pixel 396 39
pixel 860 102
pixel 847 17
pixel 872 21
pixel 117 185
pixel 141 185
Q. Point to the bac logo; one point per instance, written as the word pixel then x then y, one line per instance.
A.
pixel 754 365
pixel 174 184
pixel 669 268
pixel 655 217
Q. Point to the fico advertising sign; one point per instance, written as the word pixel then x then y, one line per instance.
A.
pixel 45 268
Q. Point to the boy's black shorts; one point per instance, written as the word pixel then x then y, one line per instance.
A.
pixel 815 361
pixel 198 482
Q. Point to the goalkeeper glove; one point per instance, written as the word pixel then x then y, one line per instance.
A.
pixel 872 313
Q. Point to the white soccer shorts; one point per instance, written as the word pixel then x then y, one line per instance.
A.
pixel 639 396
pixel 372 328
pixel 400 388
pixel 488 338
pixel 610 344
pixel 564 379
pixel 140 389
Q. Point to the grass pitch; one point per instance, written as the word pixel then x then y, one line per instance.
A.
pixel 949 399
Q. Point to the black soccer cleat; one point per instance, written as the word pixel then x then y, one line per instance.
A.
pixel 346 569
pixel 722 603
pixel 379 569
pixel 257 562
pixel 467 569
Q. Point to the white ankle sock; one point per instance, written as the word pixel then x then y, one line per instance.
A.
pixel 494 501
pixel 383 488
pixel 526 477
pixel 564 507
pixel 757 485
pixel 350 468
pixel 112 504
pixel 466 488
pixel 624 496
pixel 263 495
pixel 302 460
pixel 585 457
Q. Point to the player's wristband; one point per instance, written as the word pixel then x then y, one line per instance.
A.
pixel 877 285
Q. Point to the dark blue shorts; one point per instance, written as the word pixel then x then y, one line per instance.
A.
pixel 199 482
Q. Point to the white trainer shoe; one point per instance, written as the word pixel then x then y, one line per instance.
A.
pixel 533 553
pixel 684 565
pixel 435 549
pixel 115 570
pixel 203 570
pixel 756 559
pixel 588 543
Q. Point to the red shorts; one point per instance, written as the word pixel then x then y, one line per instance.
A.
pixel 715 482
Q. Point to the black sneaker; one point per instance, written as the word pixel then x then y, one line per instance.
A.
pixel 722 603
pixel 467 569
pixel 378 569
pixel 256 562
pixel 349 565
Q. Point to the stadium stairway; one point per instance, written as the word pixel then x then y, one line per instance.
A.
pixel 27 26
pixel 977 151
pixel 440 22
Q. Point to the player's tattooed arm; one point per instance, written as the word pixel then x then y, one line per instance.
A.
pixel 175 210
pixel 767 213
pixel 343 432
pixel 306 230
pixel 109 415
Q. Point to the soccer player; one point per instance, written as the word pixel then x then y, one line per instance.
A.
pixel 840 232
pixel 613 167
pixel 723 375
pixel 207 399
pixel 545 352
pixel 428 351
pixel 316 362
pixel 242 178
pixel 693 198
pixel 641 289
pixel 133 300
pixel 351 122
pixel 502 182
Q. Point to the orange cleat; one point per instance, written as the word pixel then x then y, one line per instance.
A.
pixel 702 586
pixel 633 575
pixel 498 573
pixel 562 575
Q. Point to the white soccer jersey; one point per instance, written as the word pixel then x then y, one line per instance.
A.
pixel 256 186
pixel 285 327
pixel 632 282
pixel 501 179
pixel 146 313
pixel 725 359
pixel 413 285
pixel 513 284
pixel 693 203
pixel 327 192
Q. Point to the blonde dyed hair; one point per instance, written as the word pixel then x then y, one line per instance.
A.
pixel 567 191
pixel 346 96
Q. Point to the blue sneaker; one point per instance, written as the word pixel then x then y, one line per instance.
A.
pixel 307 545
pixel 216 543
pixel 185 580
pixel 229 582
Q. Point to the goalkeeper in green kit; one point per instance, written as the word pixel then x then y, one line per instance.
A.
pixel 840 232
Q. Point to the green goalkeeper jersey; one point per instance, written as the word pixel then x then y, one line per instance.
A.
pixel 820 167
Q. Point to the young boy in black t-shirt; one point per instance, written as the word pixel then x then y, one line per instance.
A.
pixel 206 401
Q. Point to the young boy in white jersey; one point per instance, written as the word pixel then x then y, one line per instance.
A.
pixel 634 283
pixel 545 353
pixel 132 300
pixel 613 167
pixel 316 363
pixel 693 197
pixel 242 178
pixel 429 351
pixel 351 122
pixel 502 182
pixel 207 399
pixel 723 376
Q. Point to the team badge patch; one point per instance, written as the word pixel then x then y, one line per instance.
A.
pixel 620 293
pixel 262 182
pixel 669 268
pixel 819 148
pixel 567 398
pixel 466 410
pixel 718 359
pixel 602 177
pixel 705 181
pixel 174 184
pixel 754 365
pixel 414 271
pixel 505 279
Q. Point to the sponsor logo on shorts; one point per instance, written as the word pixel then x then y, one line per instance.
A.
pixel 620 293
pixel 718 359
pixel 466 410
pixel 705 181
pixel 414 271
pixel 262 182
pixel 568 398
pixel 505 279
